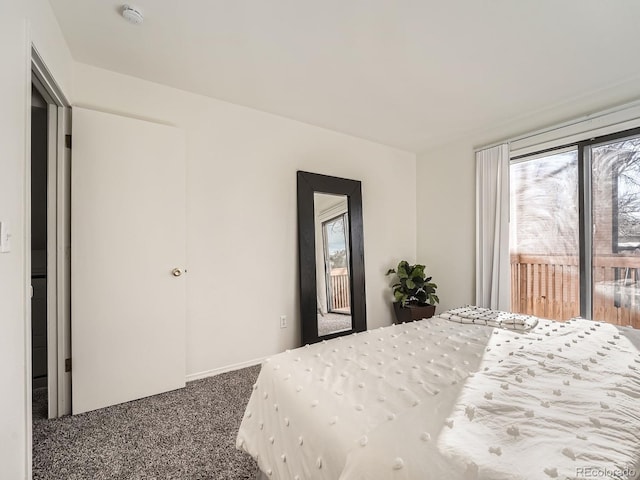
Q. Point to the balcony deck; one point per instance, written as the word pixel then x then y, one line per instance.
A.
pixel 548 286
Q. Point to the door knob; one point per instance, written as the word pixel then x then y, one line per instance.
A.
pixel 176 272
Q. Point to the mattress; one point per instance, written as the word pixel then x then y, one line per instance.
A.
pixel 438 399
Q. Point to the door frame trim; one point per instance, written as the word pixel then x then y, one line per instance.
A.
pixel 58 226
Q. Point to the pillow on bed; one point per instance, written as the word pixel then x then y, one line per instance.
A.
pixel 491 318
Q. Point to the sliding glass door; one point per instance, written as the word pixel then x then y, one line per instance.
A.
pixel 575 231
pixel 615 193
pixel 336 249
pixel 544 238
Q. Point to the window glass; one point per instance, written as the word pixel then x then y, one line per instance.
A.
pixel 544 235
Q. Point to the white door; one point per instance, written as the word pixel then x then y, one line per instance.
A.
pixel 128 309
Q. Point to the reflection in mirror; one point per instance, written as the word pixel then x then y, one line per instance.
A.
pixel 331 257
pixel 333 279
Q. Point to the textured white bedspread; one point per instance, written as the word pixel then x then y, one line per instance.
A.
pixel 435 399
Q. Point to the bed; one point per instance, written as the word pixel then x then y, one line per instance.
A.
pixel 451 398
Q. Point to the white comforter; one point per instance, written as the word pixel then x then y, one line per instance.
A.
pixel 441 400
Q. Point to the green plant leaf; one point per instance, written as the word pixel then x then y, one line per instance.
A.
pixel 412 284
pixel 402 271
pixel 400 297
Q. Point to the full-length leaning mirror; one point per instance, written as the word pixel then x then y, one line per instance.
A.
pixel 331 250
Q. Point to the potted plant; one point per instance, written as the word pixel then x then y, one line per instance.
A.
pixel 414 293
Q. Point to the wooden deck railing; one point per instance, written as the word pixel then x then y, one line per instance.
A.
pixel 340 292
pixel 548 286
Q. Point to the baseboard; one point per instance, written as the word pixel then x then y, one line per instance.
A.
pixel 228 368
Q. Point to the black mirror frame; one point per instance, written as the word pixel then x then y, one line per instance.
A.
pixel 308 184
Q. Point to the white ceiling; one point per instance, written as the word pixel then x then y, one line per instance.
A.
pixel 406 73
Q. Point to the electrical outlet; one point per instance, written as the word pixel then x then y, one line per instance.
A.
pixel 283 321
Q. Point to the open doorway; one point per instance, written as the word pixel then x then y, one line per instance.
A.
pixel 49 245
pixel 39 191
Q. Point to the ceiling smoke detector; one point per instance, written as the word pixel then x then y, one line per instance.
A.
pixel 132 14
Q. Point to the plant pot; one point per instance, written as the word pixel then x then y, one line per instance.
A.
pixel 413 312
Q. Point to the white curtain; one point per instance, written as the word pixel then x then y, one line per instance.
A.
pixel 493 287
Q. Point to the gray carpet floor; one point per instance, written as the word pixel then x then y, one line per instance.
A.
pixel 333 322
pixel 185 434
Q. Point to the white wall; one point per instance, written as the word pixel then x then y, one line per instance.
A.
pixel 241 200
pixel 446 221
pixel 19 20
pixel 446 192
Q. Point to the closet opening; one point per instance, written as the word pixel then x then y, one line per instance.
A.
pixel 39 193
pixel 48 245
